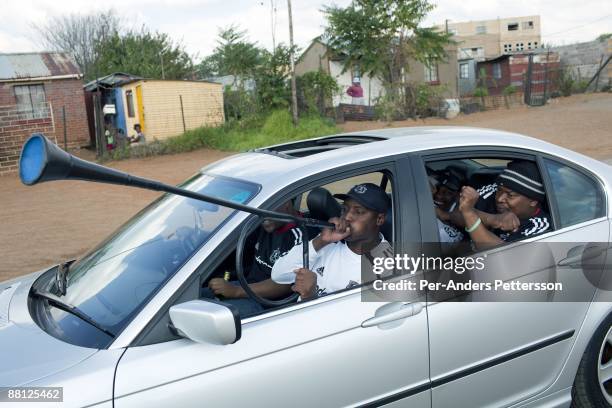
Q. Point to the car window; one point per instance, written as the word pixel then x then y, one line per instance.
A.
pixel 578 197
pixel 342 186
pixel 267 247
pixel 114 280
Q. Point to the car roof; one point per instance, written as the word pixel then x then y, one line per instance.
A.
pixel 264 166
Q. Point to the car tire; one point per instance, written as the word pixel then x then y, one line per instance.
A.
pixel 588 390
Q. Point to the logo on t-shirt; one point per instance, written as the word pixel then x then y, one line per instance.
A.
pixel 352 283
pixel 320 271
pixel 274 256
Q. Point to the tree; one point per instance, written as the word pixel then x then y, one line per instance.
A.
pixel 78 35
pixel 144 53
pixel 381 36
pixel 234 55
pixel 272 77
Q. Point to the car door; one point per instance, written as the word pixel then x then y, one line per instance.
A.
pixel 499 349
pixel 326 353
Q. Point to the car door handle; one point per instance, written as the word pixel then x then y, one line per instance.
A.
pixel 577 255
pixel 405 310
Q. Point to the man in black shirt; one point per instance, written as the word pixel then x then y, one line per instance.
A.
pixel 508 210
pixel 275 239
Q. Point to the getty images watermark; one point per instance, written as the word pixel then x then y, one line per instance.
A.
pixel 405 264
pixel 532 272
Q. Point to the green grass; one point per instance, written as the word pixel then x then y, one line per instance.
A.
pixel 275 128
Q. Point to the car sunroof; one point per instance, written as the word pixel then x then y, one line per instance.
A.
pixel 310 147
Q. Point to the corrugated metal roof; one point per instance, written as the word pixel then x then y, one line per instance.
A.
pixel 37 65
pixel 111 81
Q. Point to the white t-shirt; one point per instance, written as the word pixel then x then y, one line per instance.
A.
pixel 336 267
pixel 448 233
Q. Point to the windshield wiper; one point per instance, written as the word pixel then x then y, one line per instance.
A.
pixel 61 276
pixel 60 304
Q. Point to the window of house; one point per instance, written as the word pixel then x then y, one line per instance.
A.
pixel 527 25
pixel 535 44
pixel 464 70
pixel 513 27
pixel 431 73
pixel 481 29
pixel 497 70
pixel 129 99
pixel 578 197
pixel 519 46
pixel 528 46
pixel 31 100
pixel 507 47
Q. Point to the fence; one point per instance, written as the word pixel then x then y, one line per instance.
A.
pixel 471 104
pixel 16 126
pixel 543 83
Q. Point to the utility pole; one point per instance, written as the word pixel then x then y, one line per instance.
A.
pixel 291 56
pixel 273 24
pixel 161 57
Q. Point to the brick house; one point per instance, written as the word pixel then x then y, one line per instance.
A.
pixel 35 90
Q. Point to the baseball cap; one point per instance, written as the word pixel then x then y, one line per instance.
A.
pixel 369 195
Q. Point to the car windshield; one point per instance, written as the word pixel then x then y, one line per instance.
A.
pixel 112 282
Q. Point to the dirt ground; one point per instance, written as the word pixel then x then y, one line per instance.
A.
pixel 51 222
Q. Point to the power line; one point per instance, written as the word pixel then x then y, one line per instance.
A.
pixel 577 27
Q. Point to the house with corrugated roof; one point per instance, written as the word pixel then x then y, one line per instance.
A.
pixel 40 92
pixel 162 107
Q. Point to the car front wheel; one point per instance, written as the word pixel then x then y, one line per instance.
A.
pixel 593 384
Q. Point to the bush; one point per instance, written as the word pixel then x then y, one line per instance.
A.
pixel 315 89
pixel 257 131
pixel 481 91
pixel 509 90
pixel 565 82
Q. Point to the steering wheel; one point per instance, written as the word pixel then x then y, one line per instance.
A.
pixel 240 270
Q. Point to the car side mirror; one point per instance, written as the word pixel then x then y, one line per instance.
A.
pixel 207 322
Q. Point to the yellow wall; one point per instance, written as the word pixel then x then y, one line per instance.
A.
pixel 202 106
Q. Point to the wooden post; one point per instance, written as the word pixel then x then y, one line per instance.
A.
pixel 183 114
pixel 64 126
pixel 545 97
pixel 292 63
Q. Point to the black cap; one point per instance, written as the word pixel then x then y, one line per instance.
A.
pixel 523 177
pixel 451 181
pixel 369 195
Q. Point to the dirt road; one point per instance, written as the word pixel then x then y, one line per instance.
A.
pixel 582 123
pixel 51 222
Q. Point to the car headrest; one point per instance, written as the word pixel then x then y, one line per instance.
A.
pixel 484 176
pixel 321 204
pixel 387 228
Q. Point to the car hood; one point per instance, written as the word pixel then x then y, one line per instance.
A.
pixel 27 352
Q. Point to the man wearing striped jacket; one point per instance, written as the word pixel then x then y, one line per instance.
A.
pixel 508 210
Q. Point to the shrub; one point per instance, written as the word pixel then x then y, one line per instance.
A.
pixel 509 90
pixel 481 91
pixel 258 131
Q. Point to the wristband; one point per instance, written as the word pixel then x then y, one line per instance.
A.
pixel 474 226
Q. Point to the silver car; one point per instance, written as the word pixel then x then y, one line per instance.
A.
pixel 124 326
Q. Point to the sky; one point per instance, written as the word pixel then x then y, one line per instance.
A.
pixel 195 23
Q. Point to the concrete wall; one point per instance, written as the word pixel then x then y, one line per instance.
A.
pixel 583 60
pixel 496 38
pixel 202 106
pixel 314 58
pixel 448 73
